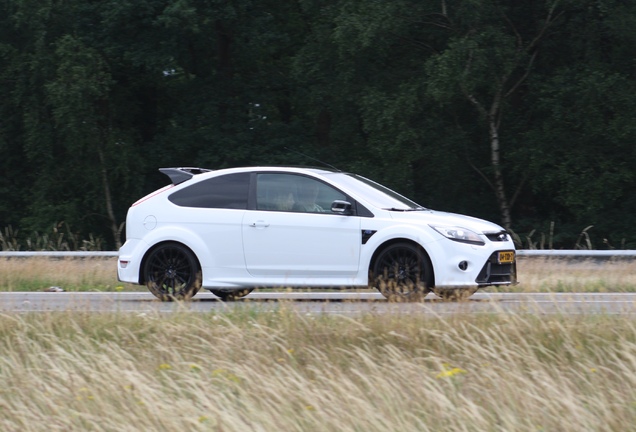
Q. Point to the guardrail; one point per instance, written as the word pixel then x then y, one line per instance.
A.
pixel 522 253
pixel 577 253
pixel 57 254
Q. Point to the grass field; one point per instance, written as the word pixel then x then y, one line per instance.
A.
pixel 247 370
pixel 100 274
pixel 284 371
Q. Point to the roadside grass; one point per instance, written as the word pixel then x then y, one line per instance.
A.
pixel 534 275
pixel 562 275
pixel 71 274
pixel 286 371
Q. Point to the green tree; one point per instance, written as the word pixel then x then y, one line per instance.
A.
pixel 513 111
pixel 486 62
pixel 74 123
pixel 79 97
pixel 580 153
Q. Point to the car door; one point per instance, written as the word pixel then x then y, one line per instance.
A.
pixel 293 233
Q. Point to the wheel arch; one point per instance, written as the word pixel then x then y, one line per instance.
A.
pixel 386 244
pixel 142 266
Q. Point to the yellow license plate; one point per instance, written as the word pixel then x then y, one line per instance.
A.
pixel 506 257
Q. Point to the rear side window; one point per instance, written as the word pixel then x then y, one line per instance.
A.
pixel 228 192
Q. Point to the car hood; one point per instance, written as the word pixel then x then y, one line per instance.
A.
pixel 432 217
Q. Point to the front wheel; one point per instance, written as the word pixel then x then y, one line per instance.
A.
pixel 402 272
pixel 172 272
pixel 231 295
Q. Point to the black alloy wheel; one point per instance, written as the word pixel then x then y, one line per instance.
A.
pixel 402 272
pixel 172 272
pixel 231 295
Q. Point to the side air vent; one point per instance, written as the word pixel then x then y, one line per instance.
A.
pixel 366 235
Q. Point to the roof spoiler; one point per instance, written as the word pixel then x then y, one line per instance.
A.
pixel 179 175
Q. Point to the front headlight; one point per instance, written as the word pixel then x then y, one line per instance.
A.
pixel 459 234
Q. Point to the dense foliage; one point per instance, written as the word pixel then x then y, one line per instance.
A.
pixel 518 112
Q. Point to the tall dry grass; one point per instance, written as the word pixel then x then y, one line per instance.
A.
pixel 283 371
pixel 562 275
pixel 100 274
pixel 73 274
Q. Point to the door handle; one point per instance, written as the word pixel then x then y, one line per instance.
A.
pixel 259 224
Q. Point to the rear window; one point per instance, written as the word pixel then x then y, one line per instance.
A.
pixel 228 192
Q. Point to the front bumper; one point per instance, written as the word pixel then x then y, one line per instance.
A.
pixel 496 273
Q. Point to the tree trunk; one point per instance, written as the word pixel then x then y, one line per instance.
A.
pixel 492 119
pixel 109 200
pixel 498 181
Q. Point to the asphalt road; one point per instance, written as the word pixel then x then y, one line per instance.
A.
pixel 323 303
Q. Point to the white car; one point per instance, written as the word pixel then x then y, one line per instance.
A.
pixel 233 230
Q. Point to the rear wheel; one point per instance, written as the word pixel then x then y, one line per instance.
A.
pixel 231 295
pixel 402 272
pixel 172 272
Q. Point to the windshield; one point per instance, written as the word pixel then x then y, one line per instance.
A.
pixel 376 194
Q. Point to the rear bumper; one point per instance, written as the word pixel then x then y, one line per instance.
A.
pixel 129 261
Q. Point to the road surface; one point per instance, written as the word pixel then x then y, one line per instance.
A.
pixel 347 303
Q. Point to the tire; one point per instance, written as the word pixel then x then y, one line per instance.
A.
pixel 231 295
pixel 454 294
pixel 402 272
pixel 172 272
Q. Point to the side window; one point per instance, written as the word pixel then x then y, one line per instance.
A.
pixel 295 193
pixel 228 192
pixel 275 192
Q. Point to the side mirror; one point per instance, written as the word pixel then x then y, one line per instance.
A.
pixel 341 207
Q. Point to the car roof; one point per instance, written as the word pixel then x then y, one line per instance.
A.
pixel 180 174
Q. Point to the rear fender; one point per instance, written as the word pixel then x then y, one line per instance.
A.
pixel 174 235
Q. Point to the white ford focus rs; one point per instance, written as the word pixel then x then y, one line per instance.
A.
pixel 233 230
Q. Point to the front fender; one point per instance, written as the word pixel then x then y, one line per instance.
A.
pixel 425 239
